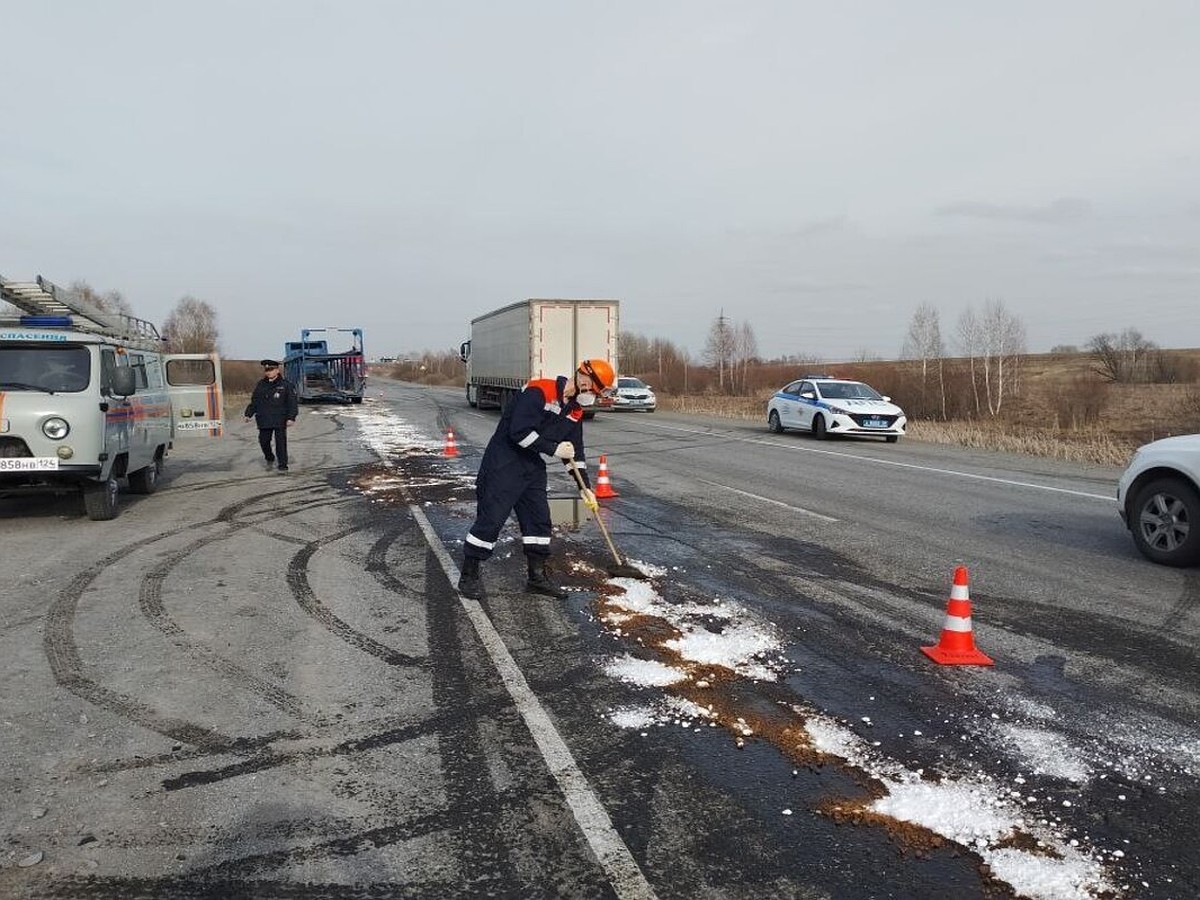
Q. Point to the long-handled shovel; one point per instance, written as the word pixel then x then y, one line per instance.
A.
pixel 621 569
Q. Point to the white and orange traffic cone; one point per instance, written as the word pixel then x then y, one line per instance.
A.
pixel 451 446
pixel 604 486
pixel 957 644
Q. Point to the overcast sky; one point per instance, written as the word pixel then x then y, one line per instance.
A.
pixel 814 169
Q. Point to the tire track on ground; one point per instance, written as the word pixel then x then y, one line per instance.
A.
pixel 306 599
pixel 151 603
pixel 67 666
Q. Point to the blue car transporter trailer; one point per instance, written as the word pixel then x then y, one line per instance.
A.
pixel 319 376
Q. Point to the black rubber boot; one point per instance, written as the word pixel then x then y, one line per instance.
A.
pixel 541 583
pixel 469 583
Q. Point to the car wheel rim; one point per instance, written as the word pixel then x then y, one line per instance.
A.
pixel 1164 523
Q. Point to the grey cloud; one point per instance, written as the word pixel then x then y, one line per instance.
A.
pixel 814 287
pixel 1142 255
pixel 1063 210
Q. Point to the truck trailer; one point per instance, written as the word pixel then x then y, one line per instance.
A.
pixel 535 339
pixel 319 376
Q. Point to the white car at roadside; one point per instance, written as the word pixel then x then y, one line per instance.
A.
pixel 633 393
pixel 833 406
pixel 1158 496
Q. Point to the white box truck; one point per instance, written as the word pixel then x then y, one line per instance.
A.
pixel 535 339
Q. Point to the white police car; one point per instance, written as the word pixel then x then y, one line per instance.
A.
pixel 633 393
pixel 1158 496
pixel 829 406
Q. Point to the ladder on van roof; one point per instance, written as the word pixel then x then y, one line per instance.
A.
pixel 44 298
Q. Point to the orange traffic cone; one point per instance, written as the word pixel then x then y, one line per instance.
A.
pixel 451 447
pixel 604 487
pixel 957 644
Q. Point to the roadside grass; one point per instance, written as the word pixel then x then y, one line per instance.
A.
pixel 235 404
pixel 1062 413
pixel 1093 444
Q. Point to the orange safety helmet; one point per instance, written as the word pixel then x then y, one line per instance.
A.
pixel 600 371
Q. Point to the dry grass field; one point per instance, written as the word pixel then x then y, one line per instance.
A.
pixel 1060 407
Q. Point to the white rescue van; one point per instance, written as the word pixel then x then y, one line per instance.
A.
pixel 89 397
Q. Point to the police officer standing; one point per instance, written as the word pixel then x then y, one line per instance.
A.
pixel 545 418
pixel 275 405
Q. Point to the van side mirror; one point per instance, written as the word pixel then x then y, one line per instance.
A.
pixel 124 382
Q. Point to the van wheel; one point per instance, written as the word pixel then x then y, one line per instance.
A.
pixel 100 500
pixel 145 481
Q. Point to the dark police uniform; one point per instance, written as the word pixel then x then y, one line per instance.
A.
pixel 273 404
pixel 512 475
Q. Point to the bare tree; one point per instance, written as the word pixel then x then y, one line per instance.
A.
pixel 924 343
pixel 745 350
pixel 970 341
pixel 1122 358
pixel 633 352
pixel 191 327
pixel 1003 343
pixel 719 348
pixel 113 301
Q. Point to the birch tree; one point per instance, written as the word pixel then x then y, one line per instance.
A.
pixel 969 343
pixel 745 350
pixel 994 342
pixel 1004 342
pixel 924 343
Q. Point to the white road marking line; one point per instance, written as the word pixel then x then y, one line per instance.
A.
pixel 1111 498
pixel 799 509
pixel 614 855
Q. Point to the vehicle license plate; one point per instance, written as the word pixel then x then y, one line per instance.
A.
pixel 875 423
pixel 28 464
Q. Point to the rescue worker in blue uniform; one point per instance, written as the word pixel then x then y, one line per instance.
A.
pixel 545 418
pixel 275 406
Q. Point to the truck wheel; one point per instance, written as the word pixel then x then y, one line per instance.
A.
pixel 100 500
pixel 145 481
pixel 472 396
pixel 356 399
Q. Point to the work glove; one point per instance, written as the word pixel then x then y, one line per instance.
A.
pixel 589 499
pixel 565 450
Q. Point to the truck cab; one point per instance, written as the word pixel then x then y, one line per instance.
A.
pixel 89 397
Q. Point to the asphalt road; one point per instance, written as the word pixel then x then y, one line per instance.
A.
pixel 264 685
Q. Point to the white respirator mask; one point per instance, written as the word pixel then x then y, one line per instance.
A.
pixel 585 398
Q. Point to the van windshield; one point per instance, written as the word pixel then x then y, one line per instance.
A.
pixel 44 369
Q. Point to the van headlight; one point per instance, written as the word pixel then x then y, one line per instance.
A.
pixel 55 428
